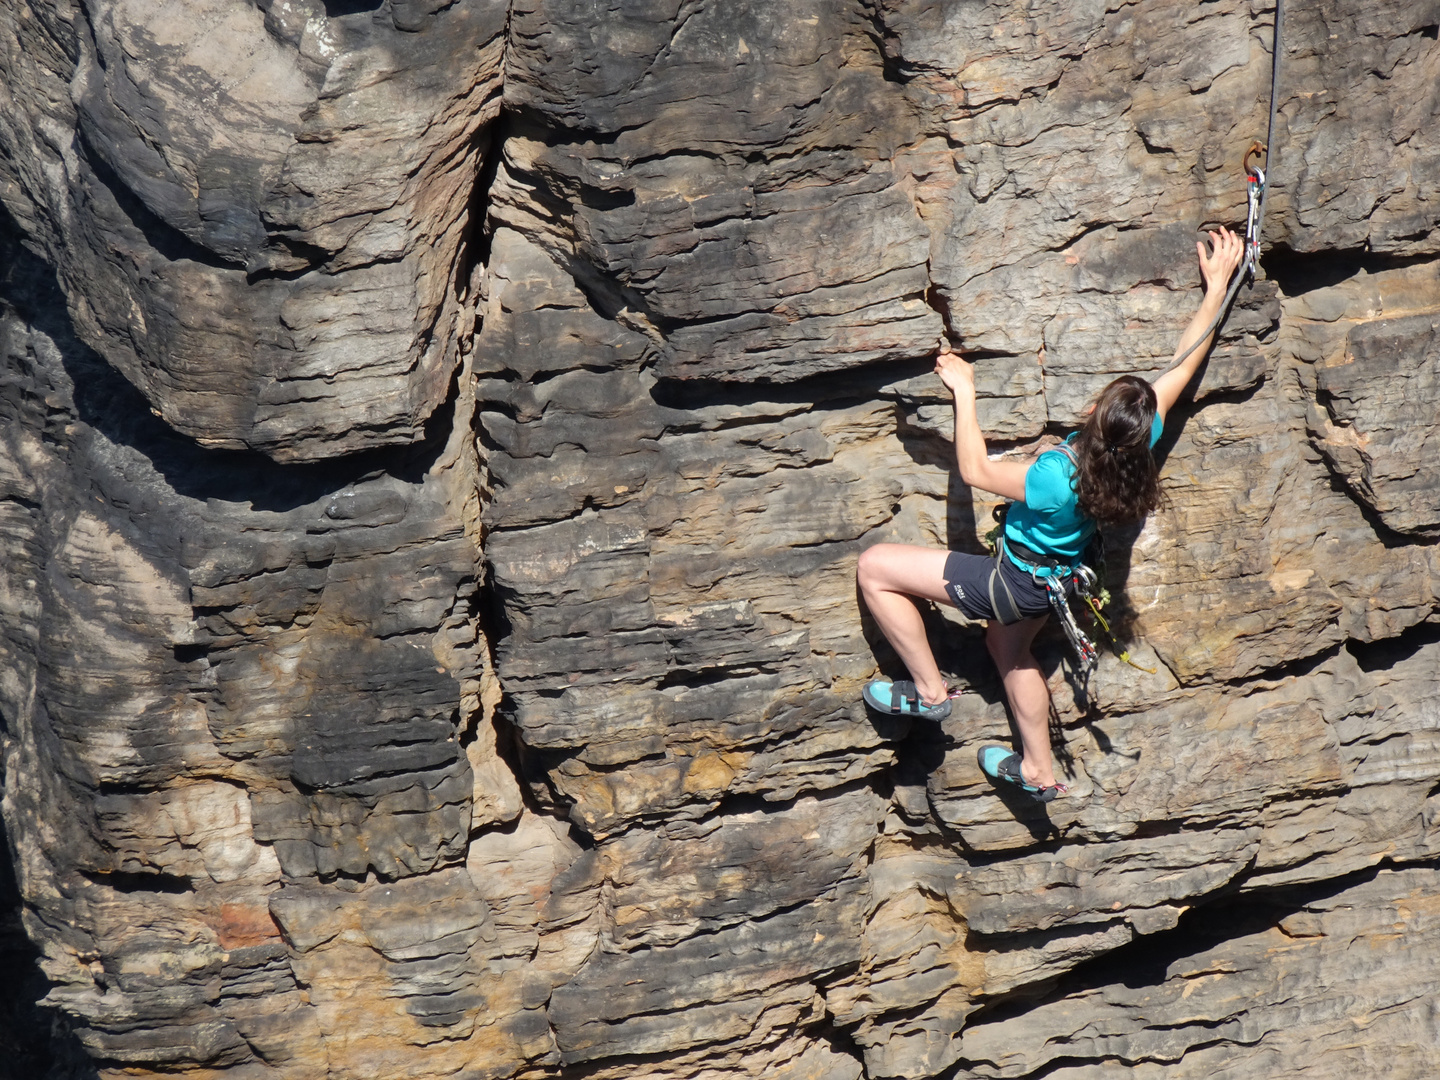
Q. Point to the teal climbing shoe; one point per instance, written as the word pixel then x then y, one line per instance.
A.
pixel 902 699
pixel 1000 764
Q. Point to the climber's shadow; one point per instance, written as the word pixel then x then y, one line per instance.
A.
pixel 1034 816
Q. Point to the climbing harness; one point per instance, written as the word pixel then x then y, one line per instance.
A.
pixel 1061 582
pixel 1061 579
pixel 1085 651
pixel 1256 188
pixel 1085 584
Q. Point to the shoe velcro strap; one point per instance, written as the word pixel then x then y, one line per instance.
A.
pixel 904 690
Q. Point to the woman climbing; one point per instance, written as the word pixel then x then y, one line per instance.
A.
pixel 1105 473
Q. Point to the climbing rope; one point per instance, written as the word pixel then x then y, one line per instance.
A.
pixel 1275 39
pixel 1080 578
pixel 1256 191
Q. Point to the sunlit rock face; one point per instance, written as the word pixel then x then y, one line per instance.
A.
pixel 435 443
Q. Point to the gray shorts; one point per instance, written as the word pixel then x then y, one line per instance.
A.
pixel 967 580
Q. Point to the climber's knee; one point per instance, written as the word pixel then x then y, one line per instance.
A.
pixel 903 568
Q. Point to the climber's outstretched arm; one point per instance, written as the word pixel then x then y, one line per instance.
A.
pixel 1216 268
pixel 1003 478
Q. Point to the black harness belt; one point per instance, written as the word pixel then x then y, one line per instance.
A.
pixel 1021 554
pixel 1002 599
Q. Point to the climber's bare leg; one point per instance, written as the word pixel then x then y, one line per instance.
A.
pixel 890 575
pixel 1028 692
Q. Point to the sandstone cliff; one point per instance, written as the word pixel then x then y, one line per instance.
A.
pixel 437 439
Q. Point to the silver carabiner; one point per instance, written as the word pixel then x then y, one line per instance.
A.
pixel 1255 193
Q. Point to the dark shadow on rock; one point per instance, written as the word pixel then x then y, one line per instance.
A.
pixel 1389 538
pixel 1028 812
pixel 476 241
pixel 825 389
pixel 1385 653
pixel 336 9
pixel 36 1043
pixel 1118 547
pixel 165 239
pixel 961 533
pixel 109 404
pixel 924 752
pixel 1299 272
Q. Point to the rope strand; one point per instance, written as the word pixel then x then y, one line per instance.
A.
pixel 1248 269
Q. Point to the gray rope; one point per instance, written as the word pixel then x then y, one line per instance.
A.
pixel 1247 269
pixel 1275 40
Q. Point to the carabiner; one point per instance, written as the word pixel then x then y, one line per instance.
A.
pixel 1255 193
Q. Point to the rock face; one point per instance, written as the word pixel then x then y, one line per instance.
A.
pixel 435 443
pixel 250 216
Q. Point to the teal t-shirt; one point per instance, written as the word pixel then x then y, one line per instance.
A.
pixel 1049 520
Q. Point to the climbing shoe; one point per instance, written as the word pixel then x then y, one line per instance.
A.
pixel 1000 764
pixel 902 699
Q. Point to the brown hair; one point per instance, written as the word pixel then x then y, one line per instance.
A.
pixel 1116 479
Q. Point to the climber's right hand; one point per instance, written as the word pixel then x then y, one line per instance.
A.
pixel 1218 265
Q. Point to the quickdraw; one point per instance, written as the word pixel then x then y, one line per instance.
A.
pixel 1255 197
pixel 1254 218
pixel 1085 584
pixel 1085 651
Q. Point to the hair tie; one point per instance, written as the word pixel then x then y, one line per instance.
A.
pixel 1110 448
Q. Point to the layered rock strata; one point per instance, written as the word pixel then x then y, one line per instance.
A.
pixel 436 443
pixel 258 211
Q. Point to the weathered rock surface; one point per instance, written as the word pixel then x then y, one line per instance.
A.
pixel 435 441
pixel 1269 992
pixel 258 212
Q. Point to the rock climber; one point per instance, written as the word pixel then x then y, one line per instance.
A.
pixel 1105 473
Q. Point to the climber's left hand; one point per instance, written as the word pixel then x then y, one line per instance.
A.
pixel 956 372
